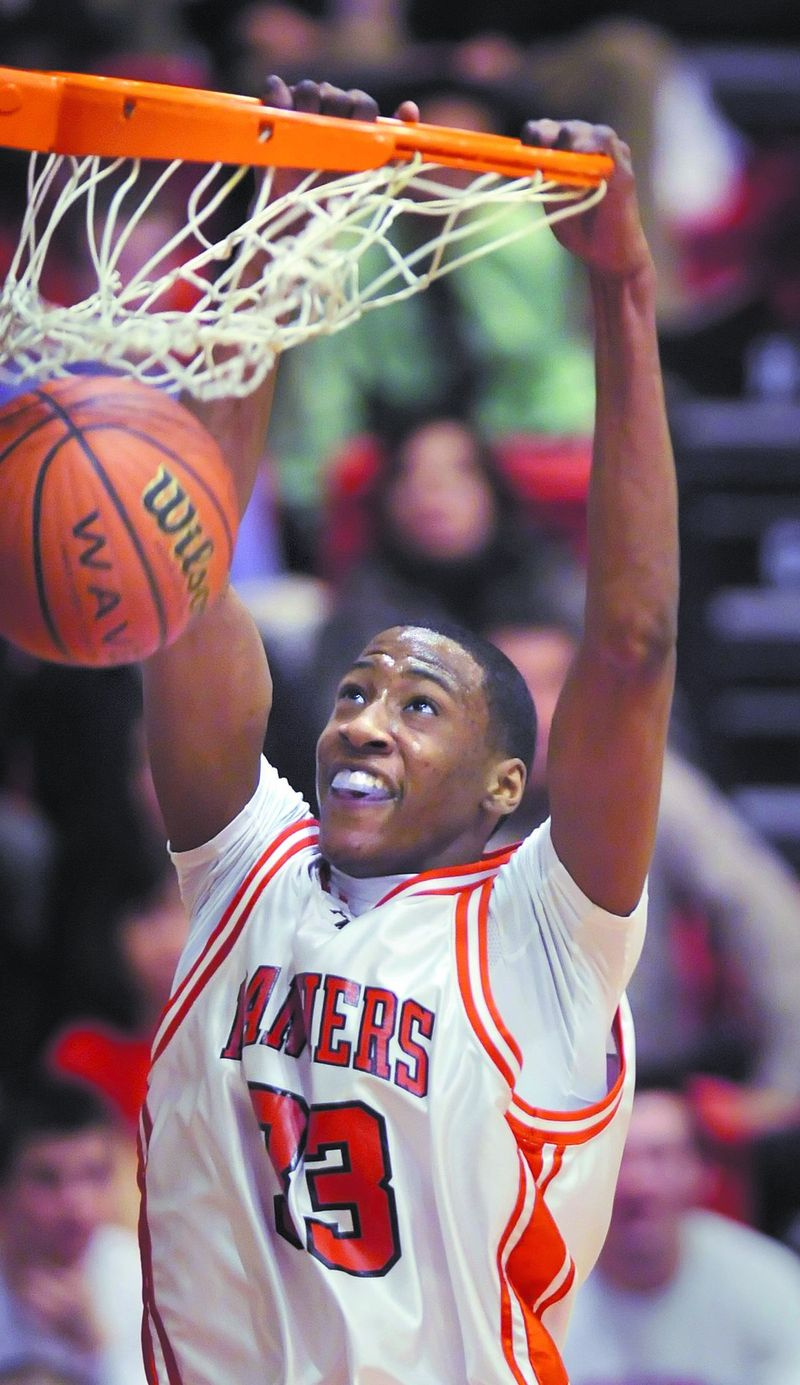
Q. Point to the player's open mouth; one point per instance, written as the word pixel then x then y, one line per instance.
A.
pixel 359 786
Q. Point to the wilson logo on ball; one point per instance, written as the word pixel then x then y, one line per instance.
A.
pixel 168 503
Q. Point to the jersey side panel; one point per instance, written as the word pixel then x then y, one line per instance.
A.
pixel 572 1158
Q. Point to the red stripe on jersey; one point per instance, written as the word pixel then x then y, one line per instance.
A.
pixel 203 976
pixel 150 1313
pixel 463 957
pixel 561 1292
pixel 536 1262
pixel 303 825
pixel 483 955
pixel 536 1254
pixel 491 862
pixel 506 1320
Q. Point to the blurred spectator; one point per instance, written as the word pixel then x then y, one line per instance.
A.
pixel 83 731
pixel 262 36
pixel 437 20
pixel 448 541
pixel 719 199
pixel 108 1047
pixel 33 33
pixel 34 1375
pixel 681 1295
pixel 70 1281
pixel 146 938
pixel 28 851
pixel 636 76
pixel 508 332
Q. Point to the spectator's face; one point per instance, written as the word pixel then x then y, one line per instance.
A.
pixel 152 941
pixel 58 1194
pixel 661 1177
pixel 543 655
pixel 440 504
pixel 405 769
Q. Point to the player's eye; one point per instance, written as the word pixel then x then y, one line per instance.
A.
pixel 424 705
pixel 351 692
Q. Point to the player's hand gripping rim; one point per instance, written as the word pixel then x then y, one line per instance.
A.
pixel 608 237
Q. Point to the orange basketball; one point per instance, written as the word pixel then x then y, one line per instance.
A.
pixel 117 520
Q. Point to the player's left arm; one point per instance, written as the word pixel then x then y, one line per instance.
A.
pixel 610 727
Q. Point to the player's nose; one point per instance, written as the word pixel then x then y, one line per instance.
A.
pixel 369 727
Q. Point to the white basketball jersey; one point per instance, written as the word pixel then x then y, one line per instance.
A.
pixel 340 1185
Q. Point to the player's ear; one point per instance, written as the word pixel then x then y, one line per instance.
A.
pixel 505 787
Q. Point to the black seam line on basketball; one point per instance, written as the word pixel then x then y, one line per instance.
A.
pixel 181 460
pixel 133 536
pixel 23 437
pixel 37 552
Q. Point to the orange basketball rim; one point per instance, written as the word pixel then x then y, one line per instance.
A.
pixel 375 214
pixel 78 114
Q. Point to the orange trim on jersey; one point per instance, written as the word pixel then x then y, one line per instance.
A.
pixel 491 862
pixel 462 944
pixel 564 1288
pixel 223 951
pixel 303 824
pixel 547 1228
pixel 593 1117
pixel 483 965
pixel 604 1108
pixel 506 1320
pixel 533 1264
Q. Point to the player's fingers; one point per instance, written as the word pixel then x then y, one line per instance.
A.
pixel 306 97
pixel 334 101
pixel 276 93
pixel 361 106
pixel 407 110
pixel 541 133
pixel 578 135
pixel 585 138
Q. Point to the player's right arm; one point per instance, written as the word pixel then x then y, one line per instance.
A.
pixel 207 696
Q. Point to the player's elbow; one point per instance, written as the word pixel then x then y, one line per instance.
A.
pixel 641 644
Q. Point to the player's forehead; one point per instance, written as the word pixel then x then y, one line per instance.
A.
pixel 409 651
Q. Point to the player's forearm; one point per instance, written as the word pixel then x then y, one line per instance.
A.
pixel 240 428
pixel 632 579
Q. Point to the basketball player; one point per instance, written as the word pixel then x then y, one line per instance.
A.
pixel 389 1093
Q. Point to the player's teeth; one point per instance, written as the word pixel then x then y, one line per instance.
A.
pixel 359 781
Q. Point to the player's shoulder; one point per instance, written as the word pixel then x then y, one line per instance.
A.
pixel 534 870
pixel 274 813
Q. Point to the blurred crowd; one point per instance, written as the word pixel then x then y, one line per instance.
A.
pixel 431 462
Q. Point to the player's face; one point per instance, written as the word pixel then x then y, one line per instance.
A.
pixel 404 764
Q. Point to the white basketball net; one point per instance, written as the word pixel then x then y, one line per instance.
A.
pixel 306 263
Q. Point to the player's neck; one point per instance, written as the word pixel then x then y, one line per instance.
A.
pixel 359 894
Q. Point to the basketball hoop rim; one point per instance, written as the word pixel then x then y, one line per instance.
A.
pixel 85 115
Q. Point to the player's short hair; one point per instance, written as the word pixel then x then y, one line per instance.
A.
pixel 46 1108
pixel 512 714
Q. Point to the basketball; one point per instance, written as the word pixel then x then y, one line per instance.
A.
pixel 117 520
